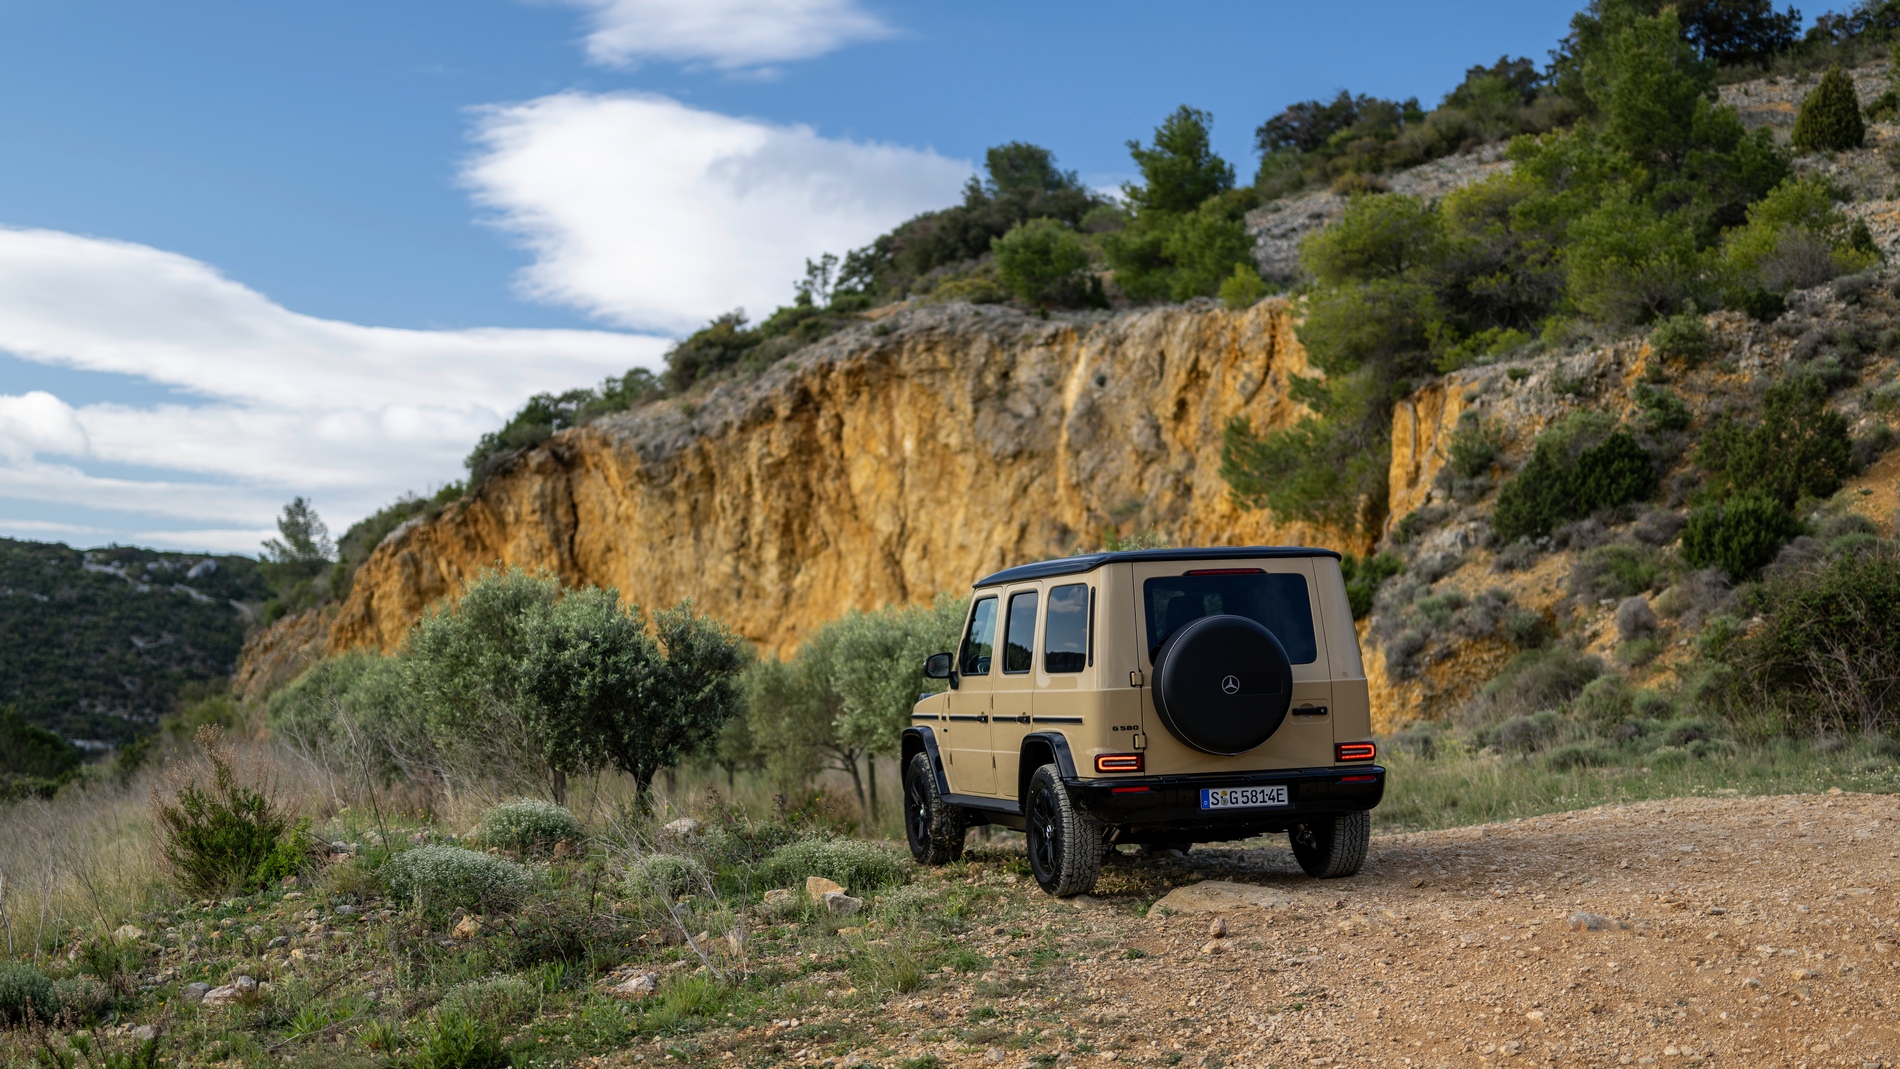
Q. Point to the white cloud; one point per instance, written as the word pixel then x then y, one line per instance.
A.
pixel 38 422
pixel 728 34
pixel 349 415
pixel 656 216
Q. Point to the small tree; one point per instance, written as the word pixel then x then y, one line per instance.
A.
pixel 1740 536
pixel 878 673
pixel 305 539
pixel 1043 263
pixel 1830 116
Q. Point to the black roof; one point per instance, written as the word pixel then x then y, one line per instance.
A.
pixel 1091 561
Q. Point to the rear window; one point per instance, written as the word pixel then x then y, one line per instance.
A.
pixel 1277 601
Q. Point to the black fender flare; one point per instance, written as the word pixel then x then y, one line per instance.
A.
pixel 922 740
pixel 1058 747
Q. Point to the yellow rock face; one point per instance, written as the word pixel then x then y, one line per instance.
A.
pixel 882 466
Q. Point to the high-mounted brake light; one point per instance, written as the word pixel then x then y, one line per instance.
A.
pixel 1227 571
pixel 1118 762
pixel 1355 751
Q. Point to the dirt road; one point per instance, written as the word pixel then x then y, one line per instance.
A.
pixel 1745 932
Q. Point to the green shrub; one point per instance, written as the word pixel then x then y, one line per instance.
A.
pixel 1830 115
pixel 230 837
pixel 860 867
pixel 1828 648
pixel 1638 652
pixel 1045 263
pixel 34 762
pixel 84 999
pixel 1740 536
pixel 1581 755
pixel 667 875
pixel 26 995
pixel 1682 337
pixel 457 1040
pixel 1535 680
pixel 1567 479
pixel 1615 571
pixel 1474 445
pixel 1243 289
pixel 448 877
pixel 529 825
pixel 1801 447
pixel 1661 409
pixel 1363 577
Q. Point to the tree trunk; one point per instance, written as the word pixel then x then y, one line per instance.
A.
pixel 560 787
pixel 870 761
pixel 850 764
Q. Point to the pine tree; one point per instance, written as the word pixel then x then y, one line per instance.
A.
pixel 1830 116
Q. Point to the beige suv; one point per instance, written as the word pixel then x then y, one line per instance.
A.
pixel 1158 697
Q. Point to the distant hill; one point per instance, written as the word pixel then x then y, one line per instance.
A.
pixel 97 643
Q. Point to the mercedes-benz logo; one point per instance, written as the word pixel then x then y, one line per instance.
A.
pixel 1230 685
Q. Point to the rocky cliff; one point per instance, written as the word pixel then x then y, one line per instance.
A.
pixel 899 459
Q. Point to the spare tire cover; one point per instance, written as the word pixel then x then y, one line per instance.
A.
pixel 1222 684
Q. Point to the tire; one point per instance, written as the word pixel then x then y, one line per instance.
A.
pixel 1222 684
pixel 1331 847
pixel 1065 844
pixel 934 827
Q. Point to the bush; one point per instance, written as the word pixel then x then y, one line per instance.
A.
pixel 1581 755
pixel 1682 337
pixel 1568 477
pixel 1619 570
pixel 26 995
pixel 858 866
pixel 1828 649
pixel 34 762
pixel 1363 577
pixel 1801 448
pixel 1741 536
pixel 1044 263
pixel 529 825
pixel 458 1040
pixel 1830 116
pixel 450 877
pixel 667 876
pixel 1537 680
pixel 1243 289
pixel 1475 444
pixel 1662 411
pixel 231 837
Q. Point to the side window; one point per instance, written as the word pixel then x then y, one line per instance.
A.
pixel 1019 649
pixel 979 640
pixel 1065 640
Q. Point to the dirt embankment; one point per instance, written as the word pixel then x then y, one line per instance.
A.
pixel 1743 932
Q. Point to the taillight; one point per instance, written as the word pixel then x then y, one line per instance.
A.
pixel 1128 790
pixel 1118 762
pixel 1358 779
pixel 1355 751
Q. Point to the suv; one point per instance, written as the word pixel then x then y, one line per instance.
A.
pixel 1158 697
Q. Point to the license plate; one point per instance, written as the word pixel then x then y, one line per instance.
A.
pixel 1242 797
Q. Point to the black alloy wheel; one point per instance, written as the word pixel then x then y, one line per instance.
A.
pixel 934 828
pixel 1065 844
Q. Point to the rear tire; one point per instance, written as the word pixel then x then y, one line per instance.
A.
pixel 1065 844
pixel 936 829
pixel 1331 847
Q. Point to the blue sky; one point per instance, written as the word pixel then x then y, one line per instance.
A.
pixel 256 250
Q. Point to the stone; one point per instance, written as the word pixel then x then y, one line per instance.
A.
pixel 679 829
pixel 817 887
pixel 841 904
pixel 293 895
pixel 467 928
pixel 128 932
pixel 994 1054
pixel 1212 946
pixel 1591 922
pixel 636 987
pixel 235 991
pixel 564 848
pixel 194 991
pixel 1803 974
pixel 1217 928
pixel 280 941
pixel 736 940
pixel 145 1033
pixel 779 897
pixel 1536 1015
pixel 1219 896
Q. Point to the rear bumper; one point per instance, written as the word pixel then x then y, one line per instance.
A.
pixel 1170 806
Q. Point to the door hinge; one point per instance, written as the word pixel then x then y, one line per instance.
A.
pixel 1135 678
pixel 1141 740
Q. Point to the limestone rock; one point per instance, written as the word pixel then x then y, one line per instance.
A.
pixel 128 932
pixel 467 928
pixel 636 987
pixel 1217 928
pixel 237 990
pixel 192 992
pixel 679 829
pixel 779 897
pixel 841 904
pixel 1219 896
pixel 817 887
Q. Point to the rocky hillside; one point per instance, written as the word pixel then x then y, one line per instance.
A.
pixel 898 459
pixel 929 445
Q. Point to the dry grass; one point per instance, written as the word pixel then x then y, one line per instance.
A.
pixel 83 858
